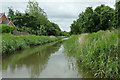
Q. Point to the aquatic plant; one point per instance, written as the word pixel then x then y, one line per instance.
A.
pixel 97 51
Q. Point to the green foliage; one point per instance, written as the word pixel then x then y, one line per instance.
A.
pixel 97 51
pixel 6 28
pixel 10 14
pixel 53 29
pixel 34 21
pixel 102 18
pixel 33 9
pixel 11 43
pixel 42 30
pixel 44 50
pixel 64 33
pixel 24 29
pixel 117 14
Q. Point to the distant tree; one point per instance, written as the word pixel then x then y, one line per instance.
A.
pixel 34 10
pixel 53 29
pixel 106 16
pixel 64 33
pixel 89 19
pixel 10 14
pixel 43 30
pixel 102 18
pixel 74 28
pixel 34 20
pixel 18 18
pixel 117 14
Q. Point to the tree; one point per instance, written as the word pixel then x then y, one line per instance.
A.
pixel 10 14
pixel 43 30
pixel 35 20
pixel 53 29
pixel 34 10
pixel 117 14
pixel 89 19
pixel 102 18
pixel 18 18
pixel 105 14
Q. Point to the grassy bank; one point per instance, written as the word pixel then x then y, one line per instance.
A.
pixel 44 52
pixel 12 43
pixel 96 51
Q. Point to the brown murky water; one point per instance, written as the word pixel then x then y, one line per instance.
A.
pixel 46 61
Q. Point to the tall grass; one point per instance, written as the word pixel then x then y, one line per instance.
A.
pixel 97 51
pixel 11 43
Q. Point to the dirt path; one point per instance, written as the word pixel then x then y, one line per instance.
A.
pixel 80 39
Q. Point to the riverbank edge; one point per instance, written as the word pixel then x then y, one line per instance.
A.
pixel 18 55
pixel 83 53
pixel 17 43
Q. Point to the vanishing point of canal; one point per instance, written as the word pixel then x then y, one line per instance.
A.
pixel 46 61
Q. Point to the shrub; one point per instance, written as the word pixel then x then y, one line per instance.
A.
pixel 6 28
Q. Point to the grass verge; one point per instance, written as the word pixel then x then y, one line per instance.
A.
pixel 97 51
pixel 11 43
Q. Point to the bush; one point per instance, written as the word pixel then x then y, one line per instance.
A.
pixel 6 28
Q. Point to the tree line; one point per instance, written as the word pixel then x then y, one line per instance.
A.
pixel 101 18
pixel 34 20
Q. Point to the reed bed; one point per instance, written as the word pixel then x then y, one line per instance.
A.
pixel 97 51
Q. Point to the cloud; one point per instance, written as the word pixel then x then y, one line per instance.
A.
pixel 62 12
pixel 59 0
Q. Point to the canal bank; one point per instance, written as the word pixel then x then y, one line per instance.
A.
pixel 46 61
pixel 11 43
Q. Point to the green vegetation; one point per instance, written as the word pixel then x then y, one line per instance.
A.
pixel 35 58
pixel 101 18
pixel 11 43
pixel 96 51
pixel 97 48
pixel 117 14
pixel 34 21
pixel 6 28
pixel 42 49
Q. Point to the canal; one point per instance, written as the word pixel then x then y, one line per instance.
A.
pixel 46 61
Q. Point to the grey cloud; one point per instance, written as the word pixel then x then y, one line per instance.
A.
pixel 62 16
pixel 62 13
pixel 59 0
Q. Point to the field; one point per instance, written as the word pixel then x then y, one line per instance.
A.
pixel 96 51
pixel 12 43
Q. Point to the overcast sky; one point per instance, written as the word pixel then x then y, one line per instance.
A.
pixel 61 12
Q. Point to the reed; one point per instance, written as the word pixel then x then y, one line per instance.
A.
pixel 97 51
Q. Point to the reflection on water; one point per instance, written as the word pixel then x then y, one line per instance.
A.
pixel 33 60
pixel 47 61
pixel 82 71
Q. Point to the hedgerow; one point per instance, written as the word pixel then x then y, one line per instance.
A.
pixel 6 28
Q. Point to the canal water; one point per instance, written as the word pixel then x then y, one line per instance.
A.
pixel 46 61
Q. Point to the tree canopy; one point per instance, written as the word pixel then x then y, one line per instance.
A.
pixel 34 20
pixel 101 18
